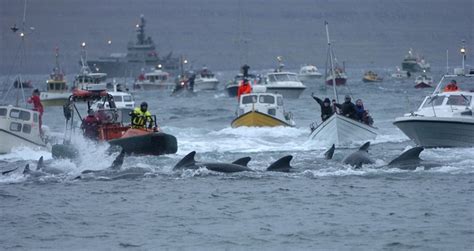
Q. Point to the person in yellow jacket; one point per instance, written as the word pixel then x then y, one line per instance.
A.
pixel 140 116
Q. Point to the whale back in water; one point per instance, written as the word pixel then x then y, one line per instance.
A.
pixel 408 160
pixel 360 157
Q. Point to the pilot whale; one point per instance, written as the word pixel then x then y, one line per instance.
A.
pixel 240 165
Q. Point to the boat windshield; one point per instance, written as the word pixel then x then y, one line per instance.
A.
pixel 464 83
pixel 434 101
pixel 249 99
pixel 282 77
pixel 118 98
pixel 460 100
pixel 127 98
pixel 266 99
pixel 3 111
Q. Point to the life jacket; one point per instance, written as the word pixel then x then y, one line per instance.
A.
pixel 451 88
pixel 244 89
pixel 140 118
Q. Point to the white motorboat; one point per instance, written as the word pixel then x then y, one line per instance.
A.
pixel 399 74
pixel 262 109
pixel 444 118
pixel 121 100
pixel 309 74
pixel 423 81
pixel 205 81
pixel 57 91
pixel 340 130
pixel 284 83
pixel 155 80
pixel 232 86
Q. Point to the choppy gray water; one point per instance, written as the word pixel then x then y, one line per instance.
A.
pixel 322 205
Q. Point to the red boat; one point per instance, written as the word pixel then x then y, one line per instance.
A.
pixel 115 127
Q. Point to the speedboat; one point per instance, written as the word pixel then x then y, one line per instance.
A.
pixel 233 86
pixel 371 76
pixel 444 118
pixel 155 80
pixel 57 91
pixel 423 81
pixel 309 74
pixel 205 81
pixel 284 83
pixel 262 109
pixel 19 127
pixel 412 63
pixel 115 128
pixel 340 130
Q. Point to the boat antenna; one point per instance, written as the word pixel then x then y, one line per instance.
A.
pixel 447 62
pixel 331 62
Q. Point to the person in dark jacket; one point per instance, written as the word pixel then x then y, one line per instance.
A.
pixel 326 109
pixel 348 108
pixel 90 126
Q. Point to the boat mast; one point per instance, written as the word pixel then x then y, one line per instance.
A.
pixel 331 63
pixel 463 53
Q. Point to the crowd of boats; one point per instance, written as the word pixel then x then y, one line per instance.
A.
pixel 444 119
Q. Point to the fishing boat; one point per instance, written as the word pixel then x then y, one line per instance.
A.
pixel 262 109
pixel 412 63
pixel 371 76
pixel 155 80
pixel 140 53
pixel 338 129
pixel 423 81
pixel 205 80
pixel 444 118
pixel 115 128
pixel 25 84
pixel 57 91
pixel 87 80
pixel 399 74
pixel 309 74
pixel 20 126
pixel 334 73
pixel 284 83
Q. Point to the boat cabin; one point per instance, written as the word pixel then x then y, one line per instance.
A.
pixel 156 76
pixel 450 103
pixel 309 70
pixel 276 77
pixel 267 103
pixel 21 122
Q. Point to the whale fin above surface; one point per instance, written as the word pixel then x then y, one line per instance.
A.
pixel 40 164
pixel 9 171
pixel 330 152
pixel 118 162
pixel 186 161
pixel 281 165
pixel 27 169
pixel 242 161
pixel 365 146
pixel 412 154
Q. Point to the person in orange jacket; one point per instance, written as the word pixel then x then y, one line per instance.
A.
pixel 244 88
pixel 452 86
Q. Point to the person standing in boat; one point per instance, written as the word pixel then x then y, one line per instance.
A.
pixel 90 125
pixel 37 106
pixel 244 88
pixel 362 114
pixel 452 86
pixel 326 109
pixel 140 116
pixel 348 108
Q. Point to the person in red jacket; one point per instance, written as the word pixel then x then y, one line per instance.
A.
pixel 90 126
pixel 452 86
pixel 37 106
pixel 244 88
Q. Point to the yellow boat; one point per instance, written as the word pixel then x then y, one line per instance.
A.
pixel 262 110
pixel 57 90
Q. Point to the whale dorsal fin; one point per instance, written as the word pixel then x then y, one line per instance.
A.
pixel 365 146
pixel 27 169
pixel 281 165
pixel 330 152
pixel 40 164
pixel 186 161
pixel 118 161
pixel 408 155
pixel 242 161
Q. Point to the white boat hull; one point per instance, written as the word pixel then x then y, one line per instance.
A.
pixel 54 98
pixel 206 85
pixel 287 92
pixel 309 78
pixel 438 131
pixel 343 131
